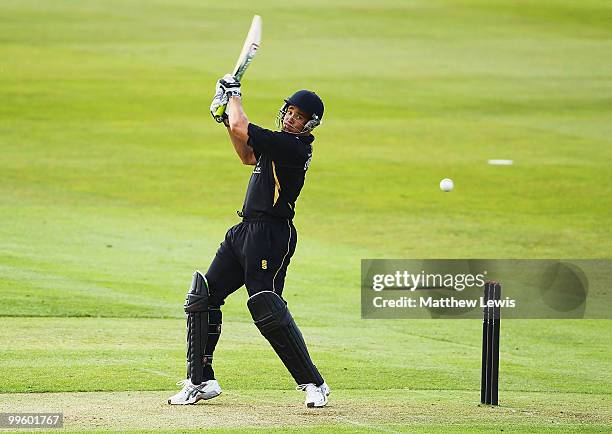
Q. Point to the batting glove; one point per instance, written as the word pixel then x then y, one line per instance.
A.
pixel 231 86
pixel 220 99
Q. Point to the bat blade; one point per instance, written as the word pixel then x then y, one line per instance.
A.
pixel 249 49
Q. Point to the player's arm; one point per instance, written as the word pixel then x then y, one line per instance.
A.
pixel 238 130
pixel 227 92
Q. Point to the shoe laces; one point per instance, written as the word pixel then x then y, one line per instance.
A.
pixel 303 387
pixel 190 386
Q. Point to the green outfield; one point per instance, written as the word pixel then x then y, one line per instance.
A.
pixel 115 184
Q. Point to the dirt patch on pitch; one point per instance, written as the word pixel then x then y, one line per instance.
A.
pixel 388 410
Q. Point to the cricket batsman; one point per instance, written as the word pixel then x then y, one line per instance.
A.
pixel 256 252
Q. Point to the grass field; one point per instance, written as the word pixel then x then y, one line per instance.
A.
pixel 115 184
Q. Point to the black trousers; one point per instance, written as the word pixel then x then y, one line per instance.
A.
pixel 254 253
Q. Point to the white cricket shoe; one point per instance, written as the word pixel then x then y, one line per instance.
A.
pixel 315 396
pixel 192 393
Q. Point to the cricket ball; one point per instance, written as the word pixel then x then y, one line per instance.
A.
pixel 446 184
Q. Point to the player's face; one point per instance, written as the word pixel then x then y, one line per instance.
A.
pixel 294 120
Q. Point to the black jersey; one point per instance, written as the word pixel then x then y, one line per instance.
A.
pixel 278 177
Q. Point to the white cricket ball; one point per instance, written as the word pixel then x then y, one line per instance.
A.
pixel 446 184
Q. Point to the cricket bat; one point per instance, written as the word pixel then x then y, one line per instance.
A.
pixel 249 49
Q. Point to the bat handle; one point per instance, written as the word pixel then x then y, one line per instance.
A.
pixel 219 113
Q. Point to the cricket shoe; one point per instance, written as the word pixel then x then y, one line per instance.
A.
pixel 315 396
pixel 192 393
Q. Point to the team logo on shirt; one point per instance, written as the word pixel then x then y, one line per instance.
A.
pixel 308 162
pixel 264 264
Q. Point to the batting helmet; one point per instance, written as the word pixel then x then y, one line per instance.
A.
pixel 308 102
